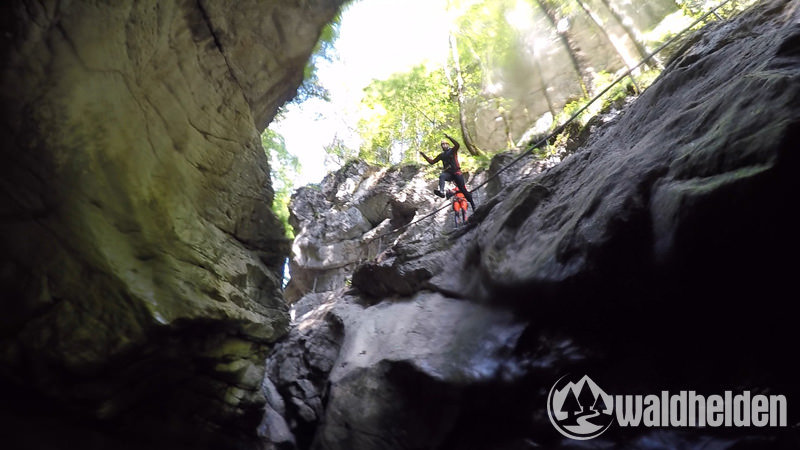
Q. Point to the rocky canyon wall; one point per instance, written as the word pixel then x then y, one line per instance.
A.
pixel 141 264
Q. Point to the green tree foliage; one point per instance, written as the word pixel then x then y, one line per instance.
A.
pixel 485 50
pixel 311 86
pixel 494 80
pixel 487 42
pixel 696 8
pixel 410 111
pixel 337 153
pixel 406 113
pixel 285 167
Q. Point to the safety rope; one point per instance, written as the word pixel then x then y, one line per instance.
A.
pixel 561 127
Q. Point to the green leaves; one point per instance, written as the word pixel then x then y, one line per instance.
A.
pixel 410 111
pixel 404 114
pixel 284 166
pixel 512 64
pixel 324 50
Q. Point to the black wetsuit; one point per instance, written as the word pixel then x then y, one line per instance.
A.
pixel 451 170
pixel 449 159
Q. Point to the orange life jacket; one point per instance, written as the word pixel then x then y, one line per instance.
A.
pixel 459 200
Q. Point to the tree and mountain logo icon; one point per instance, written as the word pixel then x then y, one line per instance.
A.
pixel 579 410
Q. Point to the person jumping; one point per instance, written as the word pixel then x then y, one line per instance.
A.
pixel 451 169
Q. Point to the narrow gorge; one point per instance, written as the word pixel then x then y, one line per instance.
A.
pixel 141 279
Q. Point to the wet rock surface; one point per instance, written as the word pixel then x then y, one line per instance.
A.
pixel 653 258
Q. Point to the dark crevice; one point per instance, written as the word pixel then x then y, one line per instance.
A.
pixel 218 44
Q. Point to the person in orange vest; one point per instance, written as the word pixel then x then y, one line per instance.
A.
pixel 459 205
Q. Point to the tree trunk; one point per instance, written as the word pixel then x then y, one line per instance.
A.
pixel 643 52
pixel 572 49
pixel 538 68
pixel 461 97
pixel 503 113
pixel 599 24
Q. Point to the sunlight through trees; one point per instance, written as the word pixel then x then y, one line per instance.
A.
pixel 514 69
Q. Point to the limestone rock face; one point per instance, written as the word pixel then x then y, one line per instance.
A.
pixel 141 269
pixel 405 365
pixel 348 219
pixel 296 379
pixel 408 366
pixel 653 258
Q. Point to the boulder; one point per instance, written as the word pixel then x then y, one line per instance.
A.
pixel 296 380
pixel 392 372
